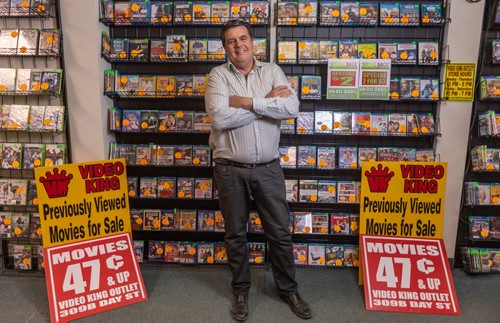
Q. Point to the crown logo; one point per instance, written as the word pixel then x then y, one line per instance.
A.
pixel 378 179
pixel 56 184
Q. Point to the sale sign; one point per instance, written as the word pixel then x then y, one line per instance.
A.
pixel 375 78
pixel 407 275
pixel 342 79
pixel 404 199
pixel 92 276
pixel 90 263
pixel 84 201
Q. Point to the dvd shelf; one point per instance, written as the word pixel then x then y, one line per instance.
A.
pixel 160 54
pixel 478 242
pixel 159 49
pixel 33 129
pixel 360 130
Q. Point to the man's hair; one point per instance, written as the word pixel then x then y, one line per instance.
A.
pixel 232 24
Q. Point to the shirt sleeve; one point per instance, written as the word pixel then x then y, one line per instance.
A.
pixel 277 107
pixel 217 105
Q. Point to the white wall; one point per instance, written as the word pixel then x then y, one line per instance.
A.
pixel 463 38
pixel 88 107
pixel 84 80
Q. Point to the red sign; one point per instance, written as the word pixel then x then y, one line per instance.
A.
pixel 92 276
pixel 407 275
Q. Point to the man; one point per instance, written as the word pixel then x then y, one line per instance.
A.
pixel 246 100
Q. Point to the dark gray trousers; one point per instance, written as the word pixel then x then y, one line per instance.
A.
pixel 267 186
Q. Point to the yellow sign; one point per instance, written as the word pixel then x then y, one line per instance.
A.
pixel 404 199
pixel 78 202
pixel 459 82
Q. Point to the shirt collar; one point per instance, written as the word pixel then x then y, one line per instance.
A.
pixel 257 65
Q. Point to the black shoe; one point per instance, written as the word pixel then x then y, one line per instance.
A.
pixel 298 305
pixel 239 309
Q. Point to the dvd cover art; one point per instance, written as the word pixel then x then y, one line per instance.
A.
pixel 202 122
pixel 378 122
pixel 307 12
pixel 407 53
pixel 326 157
pixel 350 12
pixel 171 253
pixel 220 11
pixel 133 186
pixel 206 220
pixel 148 187
pixel 166 187
pixel 161 13
pixel 308 190
pixel 367 50
pixel 177 48
pixel 165 86
pixel 409 14
pixel 139 250
pixel 137 219
pixel 308 51
pixel 156 250
pixel 389 13
pixel 219 222
pixel 183 155
pixel 428 53
pixel 11 156
pixel 302 222
pixel 292 190
pixel 259 12
pixel 151 220
pixel 342 123
pixel 201 12
pixel 203 188
pixel 185 188
pixel 334 255
pixel 240 9
pixel 339 223
pixel 186 220
pixel 201 156
pixel 256 252
pixel 425 155
pixel 354 227
pixel 254 223
pixel 328 49
pixel 168 220
pixel 348 49
pixel 361 123
pixel 149 120
pixel 329 13
pixel 300 254
pixel 306 156
pixel 205 253
pixel 293 82
pixel 388 51
pixel 316 255
pixel 22 257
pixel 351 256
pixel 8 41
pixel 5 224
pixel 319 223
pixel 183 12
pixel 20 225
pixel 27 43
pixel 346 192
pixel 429 89
pixel 198 49
pixel 323 122
pixel 431 13
pixel 397 124
pixel 143 155
pixel 13 192
pixel 220 253
pixel 33 155
pixel 368 13
pixel 287 12
pixel 305 123
pixel 287 52
pixel 184 85
pixel 348 157
pixel 288 156
pixel 48 43
pixel 215 50
pixel 366 154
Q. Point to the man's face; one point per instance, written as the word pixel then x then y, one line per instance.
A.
pixel 239 46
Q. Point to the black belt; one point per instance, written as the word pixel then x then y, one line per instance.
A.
pixel 226 162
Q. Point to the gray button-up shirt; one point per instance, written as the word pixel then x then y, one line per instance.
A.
pixel 241 135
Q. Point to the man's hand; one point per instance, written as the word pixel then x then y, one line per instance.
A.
pixel 241 102
pixel 281 91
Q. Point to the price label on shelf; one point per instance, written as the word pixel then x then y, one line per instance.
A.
pixel 92 276
pixel 407 275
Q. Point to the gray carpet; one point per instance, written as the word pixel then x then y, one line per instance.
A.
pixel 186 294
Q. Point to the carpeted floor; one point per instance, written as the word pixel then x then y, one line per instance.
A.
pixel 188 294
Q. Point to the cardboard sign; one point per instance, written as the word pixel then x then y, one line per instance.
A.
pixel 404 199
pixel 459 82
pixel 92 276
pixel 90 263
pixel 342 79
pixel 78 202
pixel 407 275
